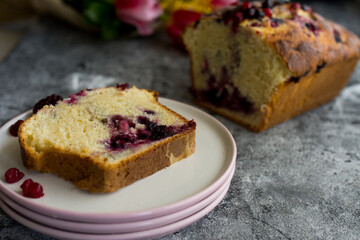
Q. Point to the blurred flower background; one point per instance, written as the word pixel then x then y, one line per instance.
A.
pixel 115 18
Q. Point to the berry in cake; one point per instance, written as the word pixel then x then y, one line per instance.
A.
pixel 15 127
pixel 49 100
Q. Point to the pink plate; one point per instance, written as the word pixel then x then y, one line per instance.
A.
pixel 163 193
pixel 115 228
pixel 147 234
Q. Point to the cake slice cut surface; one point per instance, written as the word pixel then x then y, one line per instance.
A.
pixel 107 138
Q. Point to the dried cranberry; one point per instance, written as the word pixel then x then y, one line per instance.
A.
pixel 81 93
pixel 15 128
pixel 35 190
pixel 25 186
pixel 13 175
pixel 49 100
pixel 295 6
pixel 267 12
pixel 246 5
pixel 32 189
pixel 122 86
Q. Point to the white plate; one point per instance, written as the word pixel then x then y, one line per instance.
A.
pixel 147 234
pixel 115 228
pixel 169 190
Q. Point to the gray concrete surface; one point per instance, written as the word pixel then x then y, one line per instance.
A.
pixel 299 180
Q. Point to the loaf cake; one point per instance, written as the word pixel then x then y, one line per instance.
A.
pixel 104 139
pixel 262 63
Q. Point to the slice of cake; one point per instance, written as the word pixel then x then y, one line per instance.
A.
pixel 261 63
pixel 104 139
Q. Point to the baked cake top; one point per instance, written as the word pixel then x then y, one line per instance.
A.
pixel 304 39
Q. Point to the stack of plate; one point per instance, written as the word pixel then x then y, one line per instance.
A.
pixel 153 207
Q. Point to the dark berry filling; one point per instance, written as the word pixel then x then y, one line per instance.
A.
pixel 222 93
pixel 125 133
pixel 32 189
pixel 150 112
pixel 49 100
pixel 13 175
pixel 15 128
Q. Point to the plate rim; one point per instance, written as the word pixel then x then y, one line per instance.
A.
pixel 132 215
pixel 152 233
pixel 115 228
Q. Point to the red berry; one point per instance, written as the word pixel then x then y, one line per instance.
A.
pixel 25 186
pixel 246 5
pixel 295 6
pixel 267 12
pixel 13 175
pixel 32 189
pixel 122 86
pixel 35 190
pixel 15 127
pixel 49 100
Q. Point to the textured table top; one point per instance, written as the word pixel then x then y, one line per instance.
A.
pixel 299 180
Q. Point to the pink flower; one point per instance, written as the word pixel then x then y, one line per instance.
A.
pixel 222 3
pixel 139 13
pixel 181 19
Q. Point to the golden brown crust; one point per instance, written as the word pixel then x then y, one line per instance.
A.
pixel 292 99
pixel 303 52
pixel 87 173
pixel 302 49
